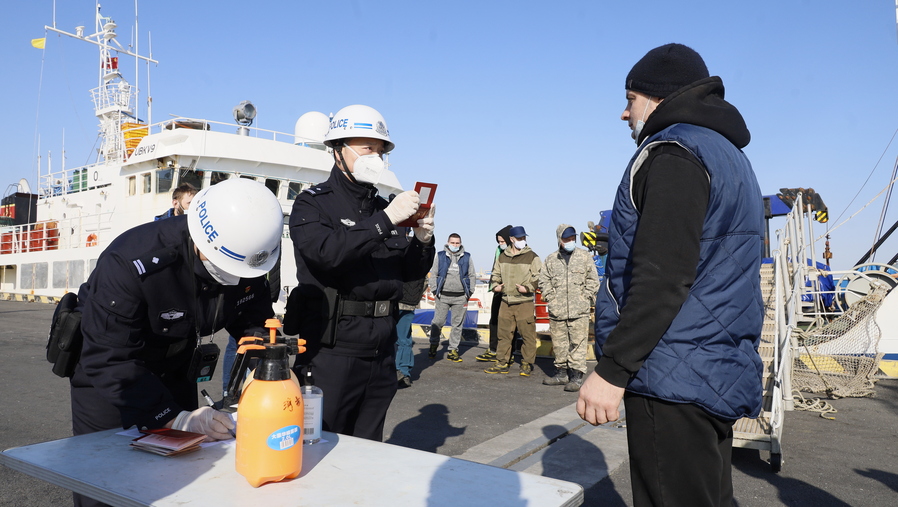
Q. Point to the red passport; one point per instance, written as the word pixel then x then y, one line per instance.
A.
pixel 426 192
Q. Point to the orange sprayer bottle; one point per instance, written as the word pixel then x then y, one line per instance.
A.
pixel 270 421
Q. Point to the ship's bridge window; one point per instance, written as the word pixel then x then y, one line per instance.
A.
pixel 191 176
pixel 217 177
pixel 164 179
pixel 273 185
pixel 293 190
pixel 132 185
pixel 147 183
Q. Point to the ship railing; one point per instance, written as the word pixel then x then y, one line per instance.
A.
pixel 66 234
pixel 186 122
pixel 66 181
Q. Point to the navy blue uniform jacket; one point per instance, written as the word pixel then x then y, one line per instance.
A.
pixel 140 313
pixel 342 239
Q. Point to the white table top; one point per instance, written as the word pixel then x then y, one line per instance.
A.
pixel 343 471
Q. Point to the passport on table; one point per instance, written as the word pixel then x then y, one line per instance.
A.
pixel 168 442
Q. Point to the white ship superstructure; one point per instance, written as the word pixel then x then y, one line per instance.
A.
pixel 50 238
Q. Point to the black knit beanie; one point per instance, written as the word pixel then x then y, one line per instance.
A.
pixel 665 70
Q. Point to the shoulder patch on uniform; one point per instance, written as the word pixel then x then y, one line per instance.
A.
pixel 154 261
pixel 318 190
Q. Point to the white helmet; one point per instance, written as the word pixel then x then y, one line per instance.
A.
pixel 237 224
pixel 358 121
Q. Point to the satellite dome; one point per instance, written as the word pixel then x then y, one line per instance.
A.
pixel 311 129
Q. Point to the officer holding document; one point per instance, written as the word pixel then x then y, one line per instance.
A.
pixel 351 263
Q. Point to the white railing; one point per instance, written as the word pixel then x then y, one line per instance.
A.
pixel 76 232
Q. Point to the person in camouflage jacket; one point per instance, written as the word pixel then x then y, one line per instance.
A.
pixel 569 282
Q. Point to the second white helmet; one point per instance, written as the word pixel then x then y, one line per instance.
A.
pixel 237 225
pixel 359 121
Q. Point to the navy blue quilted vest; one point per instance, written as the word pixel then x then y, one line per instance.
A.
pixel 443 268
pixel 708 356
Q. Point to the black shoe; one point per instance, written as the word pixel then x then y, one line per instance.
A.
pixel 526 369
pixel 453 356
pixel 405 381
pixel 575 382
pixel 433 350
pixel 487 356
pixel 497 368
pixel 560 378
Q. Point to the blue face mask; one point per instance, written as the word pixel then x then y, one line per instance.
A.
pixel 640 124
pixel 454 249
pixel 569 246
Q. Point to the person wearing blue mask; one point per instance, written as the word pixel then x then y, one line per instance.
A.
pixel 568 283
pixel 452 280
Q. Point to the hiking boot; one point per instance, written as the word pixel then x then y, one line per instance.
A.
pixel 560 378
pixel 497 368
pixel 433 350
pixel 526 369
pixel 575 382
pixel 405 381
pixel 453 356
pixel 487 356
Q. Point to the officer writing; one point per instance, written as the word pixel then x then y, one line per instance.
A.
pixel 351 263
pixel 161 289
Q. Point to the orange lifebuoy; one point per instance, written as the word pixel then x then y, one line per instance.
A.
pixel 91 240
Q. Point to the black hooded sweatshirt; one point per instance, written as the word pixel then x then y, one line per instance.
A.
pixel 670 191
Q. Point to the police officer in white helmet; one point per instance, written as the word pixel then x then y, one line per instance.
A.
pixel 158 293
pixel 351 262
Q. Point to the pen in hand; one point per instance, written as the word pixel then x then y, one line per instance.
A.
pixel 208 398
pixel 212 404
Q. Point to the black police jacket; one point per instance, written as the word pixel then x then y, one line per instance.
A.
pixel 141 307
pixel 342 239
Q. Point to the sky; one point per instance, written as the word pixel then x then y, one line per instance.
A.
pixel 511 107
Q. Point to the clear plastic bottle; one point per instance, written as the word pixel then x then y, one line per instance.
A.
pixel 313 400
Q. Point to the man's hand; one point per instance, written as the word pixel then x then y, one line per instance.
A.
pixel 402 206
pixel 214 424
pixel 499 287
pixel 599 400
pixel 521 288
pixel 424 231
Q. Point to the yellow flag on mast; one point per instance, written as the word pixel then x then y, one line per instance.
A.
pixel 39 43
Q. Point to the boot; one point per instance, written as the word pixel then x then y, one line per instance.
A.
pixel 560 378
pixel 576 380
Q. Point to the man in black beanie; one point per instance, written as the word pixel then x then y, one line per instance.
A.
pixel 678 327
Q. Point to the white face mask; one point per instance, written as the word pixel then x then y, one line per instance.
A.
pixel 453 248
pixel 367 168
pixel 519 244
pixel 219 275
pixel 640 124
pixel 569 246
pixel 503 246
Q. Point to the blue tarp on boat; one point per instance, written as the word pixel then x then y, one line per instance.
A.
pixel 425 317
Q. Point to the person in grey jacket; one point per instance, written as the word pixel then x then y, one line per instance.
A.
pixel 452 280
pixel 569 282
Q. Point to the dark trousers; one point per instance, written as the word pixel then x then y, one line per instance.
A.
pixel 357 393
pixel 679 454
pixel 494 320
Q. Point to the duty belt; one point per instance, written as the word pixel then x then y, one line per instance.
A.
pixel 366 308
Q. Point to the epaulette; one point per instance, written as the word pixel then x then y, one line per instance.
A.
pixel 154 261
pixel 316 190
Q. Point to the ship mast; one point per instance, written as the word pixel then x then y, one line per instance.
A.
pixel 114 99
